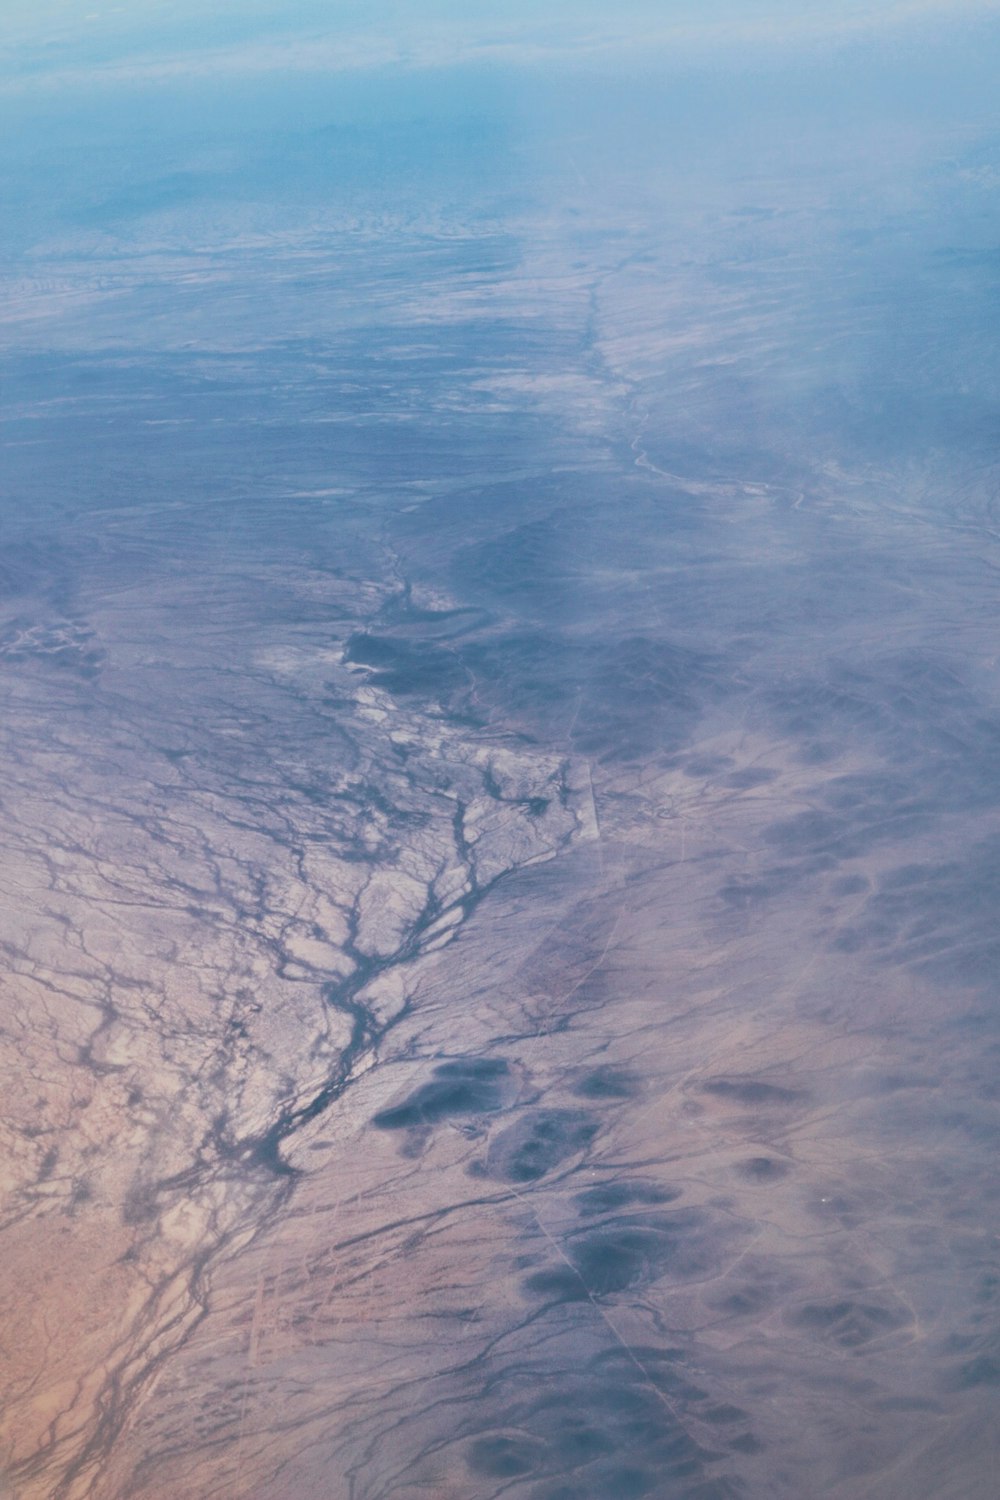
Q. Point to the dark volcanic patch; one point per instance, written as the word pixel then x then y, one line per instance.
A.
pixel 611 1197
pixel 537 1142
pixel 850 1322
pixel 635 1250
pixel 465 1087
pixel 608 1083
pixel 611 1427
pixel 762 1169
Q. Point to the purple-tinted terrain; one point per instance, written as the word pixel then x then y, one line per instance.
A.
pixel 500 754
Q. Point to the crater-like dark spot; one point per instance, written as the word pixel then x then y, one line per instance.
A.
pixel 683 1243
pixel 503 1457
pixel 576 1441
pixel 537 1142
pixel 607 1429
pixel 556 1284
pixel 607 1083
pixel 848 1323
pixel 612 1259
pixel 467 1086
pixel 609 1197
pixel 762 1169
pixel 633 1251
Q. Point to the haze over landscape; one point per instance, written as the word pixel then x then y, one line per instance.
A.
pixel 500 751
